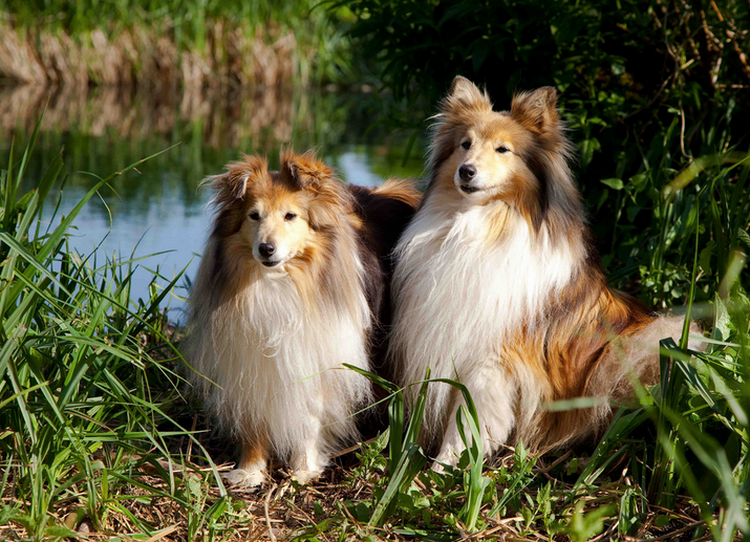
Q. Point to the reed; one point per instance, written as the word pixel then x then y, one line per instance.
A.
pixel 192 44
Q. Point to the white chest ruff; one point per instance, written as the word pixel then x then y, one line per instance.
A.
pixel 277 363
pixel 458 295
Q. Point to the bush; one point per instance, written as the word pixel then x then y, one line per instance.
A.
pixel 645 87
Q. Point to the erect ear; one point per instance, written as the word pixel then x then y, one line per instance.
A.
pixel 232 185
pixel 329 196
pixel 465 95
pixel 304 171
pixel 536 110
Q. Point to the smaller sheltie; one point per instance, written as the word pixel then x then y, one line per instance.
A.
pixel 293 283
pixel 497 284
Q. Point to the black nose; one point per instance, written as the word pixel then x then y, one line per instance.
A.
pixel 467 172
pixel 266 249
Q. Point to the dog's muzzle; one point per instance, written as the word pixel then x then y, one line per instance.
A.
pixel 466 175
pixel 467 188
pixel 266 250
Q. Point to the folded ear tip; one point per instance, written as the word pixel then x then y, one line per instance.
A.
pixel 550 93
pixel 458 81
pixel 462 85
pixel 463 94
pixel 305 170
pixel 291 168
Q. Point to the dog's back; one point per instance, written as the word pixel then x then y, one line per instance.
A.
pixel 385 212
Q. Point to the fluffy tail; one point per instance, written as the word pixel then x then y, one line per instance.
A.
pixel 612 382
pixel 636 355
pixel 628 358
pixel 400 190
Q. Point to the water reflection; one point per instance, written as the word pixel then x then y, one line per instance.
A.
pixel 159 207
pixel 228 117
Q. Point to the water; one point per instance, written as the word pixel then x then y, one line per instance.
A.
pixel 159 209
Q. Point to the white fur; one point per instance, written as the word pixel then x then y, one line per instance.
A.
pixel 269 361
pixel 457 299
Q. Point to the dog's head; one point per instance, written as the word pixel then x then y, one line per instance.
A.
pixel 482 155
pixel 278 214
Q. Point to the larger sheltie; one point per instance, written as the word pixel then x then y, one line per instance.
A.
pixel 292 284
pixel 497 284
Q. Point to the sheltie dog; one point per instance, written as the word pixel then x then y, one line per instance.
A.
pixel 497 284
pixel 292 284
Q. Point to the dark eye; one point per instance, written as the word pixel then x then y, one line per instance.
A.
pixel 254 216
pixel 502 149
pixel 290 216
pixel 466 144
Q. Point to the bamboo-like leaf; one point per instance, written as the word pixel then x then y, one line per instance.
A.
pixel 30 258
pixel 40 194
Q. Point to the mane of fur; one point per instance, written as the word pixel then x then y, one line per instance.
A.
pixel 509 298
pixel 267 350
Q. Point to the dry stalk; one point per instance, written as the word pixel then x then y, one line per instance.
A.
pixel 149 57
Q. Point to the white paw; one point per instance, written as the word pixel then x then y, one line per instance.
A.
pixel 241 478
pixel 444 458
pixel 305 476
pixel 438 467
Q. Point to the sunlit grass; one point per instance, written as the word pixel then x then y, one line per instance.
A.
pixel 86 377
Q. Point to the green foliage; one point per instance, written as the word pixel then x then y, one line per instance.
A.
pixel 407 459
pixel 644 88
pixel 186 19
pixel 611 61
pixel 586 526
pixel 85 378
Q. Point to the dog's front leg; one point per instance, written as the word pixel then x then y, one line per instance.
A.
pixel 493 391
pixel 308 461
pixel 251 468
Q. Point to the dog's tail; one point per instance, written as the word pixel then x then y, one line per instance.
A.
pixel 627 363
pixel 403 190
pixel 630 362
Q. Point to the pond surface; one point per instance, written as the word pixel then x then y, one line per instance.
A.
pixel 159 209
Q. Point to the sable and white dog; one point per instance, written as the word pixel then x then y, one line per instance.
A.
pixel 497 284
pixel 292 284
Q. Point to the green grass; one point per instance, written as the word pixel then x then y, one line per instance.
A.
pixel 86 379
pixel 186 19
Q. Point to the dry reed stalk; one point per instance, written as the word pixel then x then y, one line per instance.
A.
pixel 149 57
pixel 61 65
pixel 19 60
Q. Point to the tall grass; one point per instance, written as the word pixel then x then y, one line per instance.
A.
pixel 188 16
pixel 86 379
